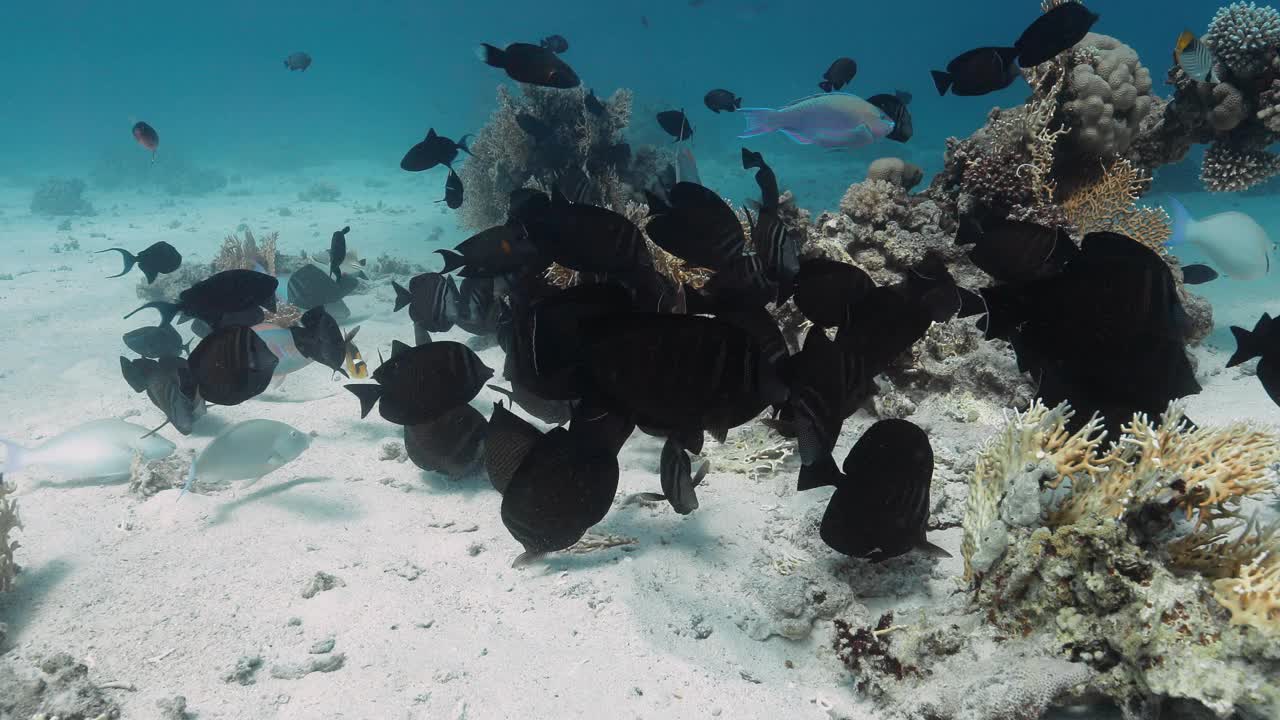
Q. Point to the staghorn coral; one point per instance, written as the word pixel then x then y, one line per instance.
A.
pixel 247 253
pixel 9 521
pixel 1232 169
pixel 1132 557
pixel 1242 35
pixel 505 157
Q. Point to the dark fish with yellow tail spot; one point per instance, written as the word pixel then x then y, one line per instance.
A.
pixel 978 72
pixel 418 384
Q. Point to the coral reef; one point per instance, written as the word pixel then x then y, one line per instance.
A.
pixel 58 196
pixel 506 157
pixel 9 521
pixel 896 171
pixel 1241 35
pixel 61 690
pixel 247 253
pixel 1106 97
pixel 1133 558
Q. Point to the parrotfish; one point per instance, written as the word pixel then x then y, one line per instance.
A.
pixel 98 449
pixel 1235 243
pixel 280 341
pixel 830 120
pixel 247 451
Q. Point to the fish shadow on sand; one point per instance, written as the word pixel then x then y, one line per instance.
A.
pixel 81 482
pixel 24 601
pixel 308 506
pixel 474 483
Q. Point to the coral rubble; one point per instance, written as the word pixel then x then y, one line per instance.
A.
pixel 61 690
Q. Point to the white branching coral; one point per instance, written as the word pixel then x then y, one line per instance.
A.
pixel 9 521
pixel 1242 35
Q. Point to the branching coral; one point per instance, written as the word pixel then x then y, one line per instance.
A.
pixel 1132 557
pixel 506 157
pixel 247 254
pixel 9 521
pixel 1109 204
pixel 1232 169
pixel 1242 34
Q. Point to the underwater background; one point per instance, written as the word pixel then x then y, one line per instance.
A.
pixel 724 615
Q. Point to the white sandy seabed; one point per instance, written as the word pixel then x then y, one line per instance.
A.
pixel 430 619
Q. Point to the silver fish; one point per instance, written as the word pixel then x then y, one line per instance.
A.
pixel 248 451
pixel 830 120
pixel 96 450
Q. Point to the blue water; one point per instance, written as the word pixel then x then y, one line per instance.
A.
pixel 209 76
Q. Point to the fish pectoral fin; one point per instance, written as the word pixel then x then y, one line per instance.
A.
pixel 796 137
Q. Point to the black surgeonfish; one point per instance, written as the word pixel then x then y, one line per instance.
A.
pixel 240 292
pixel 154 342
pixel 432 299
pixel 588 238
pixel 1014 250
pixel 1107 333
pixel 676 124
pixel 1056 31
pixel 770 237
pixel 826 289
pixel 338 252
pixel 679 482
pixel 1262 342
pixel 509 441
pixel 720 100
pixel 551 412
pixel 452 191
pixel 310 287
pixel 432 151
pixel 419 384
pixel 558 492
pixel 170 386
pixel 880 508
pixel 478 306
pixel 978 72
pixel 500 250
pixel 318 338
pixel 1198 274
pixel 451 444
pixel 232 365
pixel 537 129
pixel 531 64
pixel 828 382
pixel 159 258
pixel 896 108
pixel 840 73
pixel 697 226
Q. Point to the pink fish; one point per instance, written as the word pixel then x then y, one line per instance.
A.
pixel 280 342
pixel 830 120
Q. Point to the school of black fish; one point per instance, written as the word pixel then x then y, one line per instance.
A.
pixel 630 347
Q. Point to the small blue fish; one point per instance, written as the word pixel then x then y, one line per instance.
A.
pixel 830 120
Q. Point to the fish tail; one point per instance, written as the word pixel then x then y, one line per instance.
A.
pixel 191 477
pixel 462 144
pixel 759 121
pixel 129 261
pixel 452 260
pixel 942 81
pixel 819 474
pixel 403 297
pixel 167 311
pixel 14 456
pixel 368 395
pixel 929 549
pixel 1247 346
pixel 492 56
pixel 1181 223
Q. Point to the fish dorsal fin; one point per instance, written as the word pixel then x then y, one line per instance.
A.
pixel 821 96
pixel 431 132
pixel 351 334
pixel 398 347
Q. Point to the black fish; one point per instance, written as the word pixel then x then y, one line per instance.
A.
pixel 839 74
pixel 531 64
pixel 880 508
pixel 500 250
pixel 338 252
pixel 1013 250
pixel 593 104
pixel 679 372
pixel 434 150
pixel 450 444
pixel 231 365
pixel 1198 274
pixel 1054 32
pixel 319 338
pixel 537 129
pixel 160 258
pixel 885 323
pixel 828 382
pixel 903 96
pixel 509 442
pixel 1264 342
pixel 676 124
pixel 310 287
pixel 452 191
pixel 720 100
pixel 896 109
pixel 779 256
pixel 739 284
pixel 551 412
pixel 297 61
pixel 555 43
pixel 432 299
pixel 827 289
pixel 601 432
pixel 978 72
pixel 527 205
pixel 230 292
pixel 698 226
pixel 478 306
pixel 589 238
pixel 618 155
pixel 170 387
pixel 154 342
pixel 765 178
pixel 679 483
pixel 416 385
pixel 557 494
